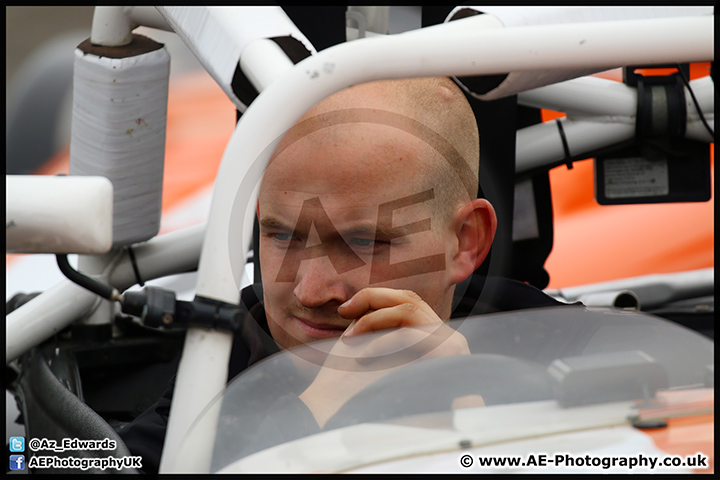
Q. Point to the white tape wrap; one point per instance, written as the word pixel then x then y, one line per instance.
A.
pixel 522 16
pixel 118 131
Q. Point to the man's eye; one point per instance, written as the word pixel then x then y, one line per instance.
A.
pixel 283 237
pixel 364 242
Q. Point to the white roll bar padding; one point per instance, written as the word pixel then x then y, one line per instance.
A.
pixel 58 214
pixel 522 79
pixel 438 50
pixel 118 131
pixel 218 36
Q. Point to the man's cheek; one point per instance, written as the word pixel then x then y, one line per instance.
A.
pixel 278 294
pixel 396 263
pixel 383 269
pixel 271 259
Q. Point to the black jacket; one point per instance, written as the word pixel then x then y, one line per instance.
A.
pixel 478 295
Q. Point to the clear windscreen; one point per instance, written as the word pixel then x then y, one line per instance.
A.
pixel 420 384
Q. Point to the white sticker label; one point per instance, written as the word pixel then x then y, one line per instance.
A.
pixel 635 177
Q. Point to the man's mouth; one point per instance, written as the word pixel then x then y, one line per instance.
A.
pixel 319 329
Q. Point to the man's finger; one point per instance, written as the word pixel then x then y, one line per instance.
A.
pixel 402 315
pixel 412 342
pixel 376 298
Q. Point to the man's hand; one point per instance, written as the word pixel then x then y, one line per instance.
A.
pixel 382 308
pixel 358 360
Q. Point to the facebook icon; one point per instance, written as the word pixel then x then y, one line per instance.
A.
pixel 17 462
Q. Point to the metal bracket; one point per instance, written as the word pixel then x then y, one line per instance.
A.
pixel 157 307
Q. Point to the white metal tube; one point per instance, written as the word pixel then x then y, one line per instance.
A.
pixel 601 45
pixel 704 89
pixel 57 307
pixel 541 144
pixel 263 61
pixel 612 298
pixel 597 96
pixel 98 267
pixel 514 16
pixel 600 113
pixel 112 26
pixel 58 214
pixel 518 81
pixel 651 290
pixel 44 316
pixel 201 376
pixel 697 131
pixel 174 252
pixel 148 17
pixel 589 96
pixel 584 96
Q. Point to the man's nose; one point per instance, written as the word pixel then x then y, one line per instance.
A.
pixel 319 283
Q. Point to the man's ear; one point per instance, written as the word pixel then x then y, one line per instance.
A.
pixel 474 224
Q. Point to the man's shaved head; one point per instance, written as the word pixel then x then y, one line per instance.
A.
pixel 433 109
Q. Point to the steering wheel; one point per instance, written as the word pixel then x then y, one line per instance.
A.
pixel 431 386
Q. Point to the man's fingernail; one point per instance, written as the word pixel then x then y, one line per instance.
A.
pixel 344 305
pixel 349 331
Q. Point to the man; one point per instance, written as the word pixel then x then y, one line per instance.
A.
pixel 368 217
pixel 368 220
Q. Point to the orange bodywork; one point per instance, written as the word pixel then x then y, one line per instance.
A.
pixel 688 431
pixel 686 436
pixel 595 243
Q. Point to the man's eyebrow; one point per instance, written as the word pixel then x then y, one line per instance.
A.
pixel 367 229
pixel 273 223
pixel 377 231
